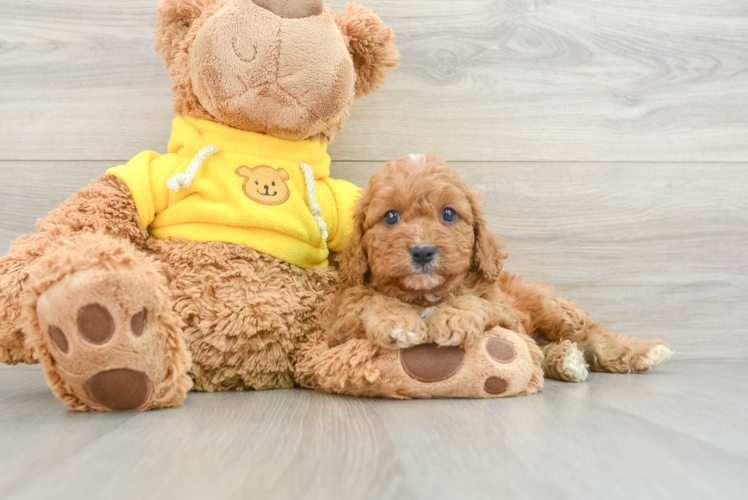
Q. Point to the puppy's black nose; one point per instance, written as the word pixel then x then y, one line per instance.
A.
pixel 422 254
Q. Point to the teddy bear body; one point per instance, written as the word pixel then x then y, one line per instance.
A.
pixel 205 266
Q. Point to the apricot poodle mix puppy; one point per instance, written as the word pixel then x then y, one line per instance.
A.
pixel 422 267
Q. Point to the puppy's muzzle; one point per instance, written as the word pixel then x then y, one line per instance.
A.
pixel 422 254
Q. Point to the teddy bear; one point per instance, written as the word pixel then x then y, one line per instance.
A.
pixel 205 268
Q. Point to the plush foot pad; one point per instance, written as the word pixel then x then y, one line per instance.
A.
pixel 497 366
pixel 111 343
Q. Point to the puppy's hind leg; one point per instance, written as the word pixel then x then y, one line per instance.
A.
pixel 565 361
pixel 606 351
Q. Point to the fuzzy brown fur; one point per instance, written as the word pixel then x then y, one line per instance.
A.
pixel 166 313
pixel 383 289
pixel 246 312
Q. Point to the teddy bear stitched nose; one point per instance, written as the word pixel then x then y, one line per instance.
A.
pixel 292 9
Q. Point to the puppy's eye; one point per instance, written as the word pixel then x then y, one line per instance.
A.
pixel 448 215
pixel 391 218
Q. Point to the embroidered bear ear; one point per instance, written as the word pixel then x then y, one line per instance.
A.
pixel 244 172
pixel 371 44
pixel 174 19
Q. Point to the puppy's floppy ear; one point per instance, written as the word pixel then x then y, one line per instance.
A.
pixel 488 250
pixel 371 44
pixel 353 262
pixel 173 20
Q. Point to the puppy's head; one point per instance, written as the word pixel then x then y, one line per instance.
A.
pixel 418 229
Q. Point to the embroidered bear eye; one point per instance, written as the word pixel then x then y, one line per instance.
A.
pixel 273 183
pixel 257 183
pixel 391 218
pixel 448 215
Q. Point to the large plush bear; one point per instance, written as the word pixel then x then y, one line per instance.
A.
pixel 205 267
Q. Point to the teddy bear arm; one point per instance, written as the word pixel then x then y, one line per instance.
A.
pixel 105 206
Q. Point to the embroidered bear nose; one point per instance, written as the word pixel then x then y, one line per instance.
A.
pixel 422 254
pixel 292 9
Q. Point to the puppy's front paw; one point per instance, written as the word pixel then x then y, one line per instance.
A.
pixel 453 327
pixel 399 334
pixel 403 338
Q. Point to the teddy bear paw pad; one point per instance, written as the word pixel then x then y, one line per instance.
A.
pixel 95 324
pixel 104 334
pixel 495 385
pixel 500 350
pixel 120 389
pixel 431 363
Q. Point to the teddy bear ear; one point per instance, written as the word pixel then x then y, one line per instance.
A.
pixel 173 21
pixel 371 44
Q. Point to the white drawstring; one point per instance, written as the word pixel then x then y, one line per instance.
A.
pixel 313 206
pixel 184 180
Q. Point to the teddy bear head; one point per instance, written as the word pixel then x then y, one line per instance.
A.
pixel 287 68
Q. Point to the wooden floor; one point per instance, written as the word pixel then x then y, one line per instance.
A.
pixel 679 432
pixel 609 140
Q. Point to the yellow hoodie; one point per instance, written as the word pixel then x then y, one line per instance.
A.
pixel 222 184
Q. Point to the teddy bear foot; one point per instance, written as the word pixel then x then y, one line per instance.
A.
pixel 109 340
pixel 498 365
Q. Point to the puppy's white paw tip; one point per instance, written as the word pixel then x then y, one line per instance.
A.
pixel 574 365
pixel 402 338
pixel 657 355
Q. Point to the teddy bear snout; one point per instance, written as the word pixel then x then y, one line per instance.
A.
pixel 292 9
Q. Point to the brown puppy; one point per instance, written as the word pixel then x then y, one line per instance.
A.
pixel 423 267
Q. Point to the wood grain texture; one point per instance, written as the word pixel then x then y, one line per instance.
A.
pixel 480 80
pixel 608 140
pixel 653 250
pixel 613 437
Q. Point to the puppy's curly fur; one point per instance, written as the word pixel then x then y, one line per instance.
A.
pixel 396 302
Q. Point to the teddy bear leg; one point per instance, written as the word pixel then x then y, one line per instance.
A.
pixel 105 206
pixel 500 364
pixel 99 318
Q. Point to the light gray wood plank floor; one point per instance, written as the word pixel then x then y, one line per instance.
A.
pixel 678 432
pixel 608 140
